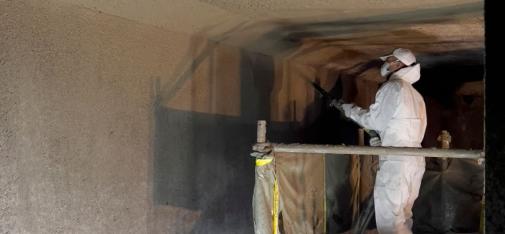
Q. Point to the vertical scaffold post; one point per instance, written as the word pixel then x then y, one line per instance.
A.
pixel 262 131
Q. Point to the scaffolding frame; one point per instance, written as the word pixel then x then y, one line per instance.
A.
pixel 266 147
pixel 263 147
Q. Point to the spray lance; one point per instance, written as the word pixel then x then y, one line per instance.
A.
pixel 334 103
pixel 364 218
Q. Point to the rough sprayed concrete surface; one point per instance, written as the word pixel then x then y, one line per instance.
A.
pixel 76 119
pixel 200 15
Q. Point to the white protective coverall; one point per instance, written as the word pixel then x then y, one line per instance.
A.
pixel 399 116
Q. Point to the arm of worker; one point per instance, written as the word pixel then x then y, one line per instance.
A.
pixel 378 115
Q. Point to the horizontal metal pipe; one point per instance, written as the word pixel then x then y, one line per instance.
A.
pixel 366 150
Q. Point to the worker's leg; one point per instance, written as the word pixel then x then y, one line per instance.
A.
pixel 391 194
pixel 416 176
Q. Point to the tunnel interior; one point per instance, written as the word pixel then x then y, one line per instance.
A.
pixel 127 116
pixel 195 149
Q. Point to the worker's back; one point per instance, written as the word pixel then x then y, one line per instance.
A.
pixel 407 125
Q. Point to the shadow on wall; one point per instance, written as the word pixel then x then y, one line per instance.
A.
pixel 202 162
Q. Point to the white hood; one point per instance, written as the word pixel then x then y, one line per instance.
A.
pixel 410 74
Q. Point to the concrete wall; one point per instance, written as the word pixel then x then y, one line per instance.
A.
pixel 114 126
pixel 77 94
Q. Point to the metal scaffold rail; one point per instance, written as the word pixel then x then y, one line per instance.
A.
pixel 263 146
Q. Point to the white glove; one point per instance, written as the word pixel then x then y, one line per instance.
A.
pixel 347 108
pixel 337 104
pixel 375 141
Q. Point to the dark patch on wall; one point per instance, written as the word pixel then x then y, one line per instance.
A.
pixel 257 79
pixel 202 162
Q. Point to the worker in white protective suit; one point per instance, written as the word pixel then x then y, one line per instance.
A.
pixel 399 116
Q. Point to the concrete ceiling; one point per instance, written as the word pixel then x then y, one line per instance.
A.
pixel 192 16
pixel 281 27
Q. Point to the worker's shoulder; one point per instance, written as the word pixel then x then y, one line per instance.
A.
pixel 393 84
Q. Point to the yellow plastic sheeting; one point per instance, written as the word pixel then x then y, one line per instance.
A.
pixel 289 194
